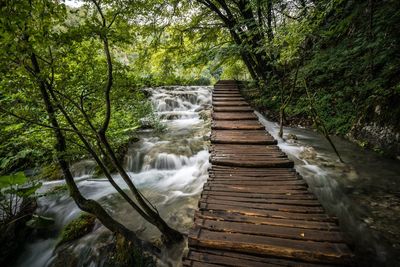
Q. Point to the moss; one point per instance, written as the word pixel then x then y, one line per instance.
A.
pixel 77 228
pixel 50 172
pixel 126 254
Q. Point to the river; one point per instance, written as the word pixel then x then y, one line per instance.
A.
pixel 170 169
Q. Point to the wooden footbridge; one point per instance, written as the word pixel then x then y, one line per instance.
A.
pixel 255 210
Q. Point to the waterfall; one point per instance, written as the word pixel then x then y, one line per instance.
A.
pixel 169 168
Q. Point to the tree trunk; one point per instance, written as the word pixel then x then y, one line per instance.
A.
pixel 270 33
pixel 281 117
pixel 84 204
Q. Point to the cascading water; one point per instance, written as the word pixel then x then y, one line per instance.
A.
pixel 364 192
pixel 168 168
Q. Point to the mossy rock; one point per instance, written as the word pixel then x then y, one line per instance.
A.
pixel 77 228
pixel 126 254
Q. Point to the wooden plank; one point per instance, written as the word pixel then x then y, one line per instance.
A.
pixel 231 90
pixel 205 257
pixel 254 164
pixel 226 89
pixel 236 125
pixel 249 200
pixel 299 195
pixel 252 174
pixel 230 103
pixel 233 109
pixel 258 189
pixel 227 258
pixel 250 137
pixel 190 263
pixel 320 252
pixel 249 155
pixel 230 98
pixel 220 215
pixel 203 202
pixel 229 95
pixel 238 182
pixel 321 217
pixel 276 190
pixel 234 116
pixel 246 170
pixel 239 178
pixel 271 230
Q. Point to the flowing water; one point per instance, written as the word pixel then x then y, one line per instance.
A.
pixel 170 169
pixel 363 192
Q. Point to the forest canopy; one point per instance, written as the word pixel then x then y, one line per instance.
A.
pixel 346 50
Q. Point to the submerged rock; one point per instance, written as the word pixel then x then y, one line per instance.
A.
pixel 291 136
pixel 308 152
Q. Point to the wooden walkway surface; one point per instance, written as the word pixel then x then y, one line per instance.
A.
pixel 255 210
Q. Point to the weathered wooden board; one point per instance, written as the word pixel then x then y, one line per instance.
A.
pixel 229 258
pixel 271 230
pixel 248 137
pixel 230 103
pixel 230 98
pixel 227 94
pixel 255 209
pixel 233 109
pixel 236 125
pixel 223 215
pixel 319 252
pixel 233 116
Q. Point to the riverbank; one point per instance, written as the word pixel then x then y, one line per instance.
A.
pixel 372 134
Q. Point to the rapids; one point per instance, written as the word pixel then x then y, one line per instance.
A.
pixel 363 192
pixel 171 168
pixel 168 168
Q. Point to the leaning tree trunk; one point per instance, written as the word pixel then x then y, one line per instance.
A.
pixel 84 204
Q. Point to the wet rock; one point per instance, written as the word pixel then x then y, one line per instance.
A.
pixel 146 123
pixel 368 220
pixel 83 167
pixel 381 138
pixel 308 153
pixel 291 136
pixel 205 115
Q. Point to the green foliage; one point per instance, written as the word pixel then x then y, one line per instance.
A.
pixel 18 178
pixel 348 55
pixel 16 194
